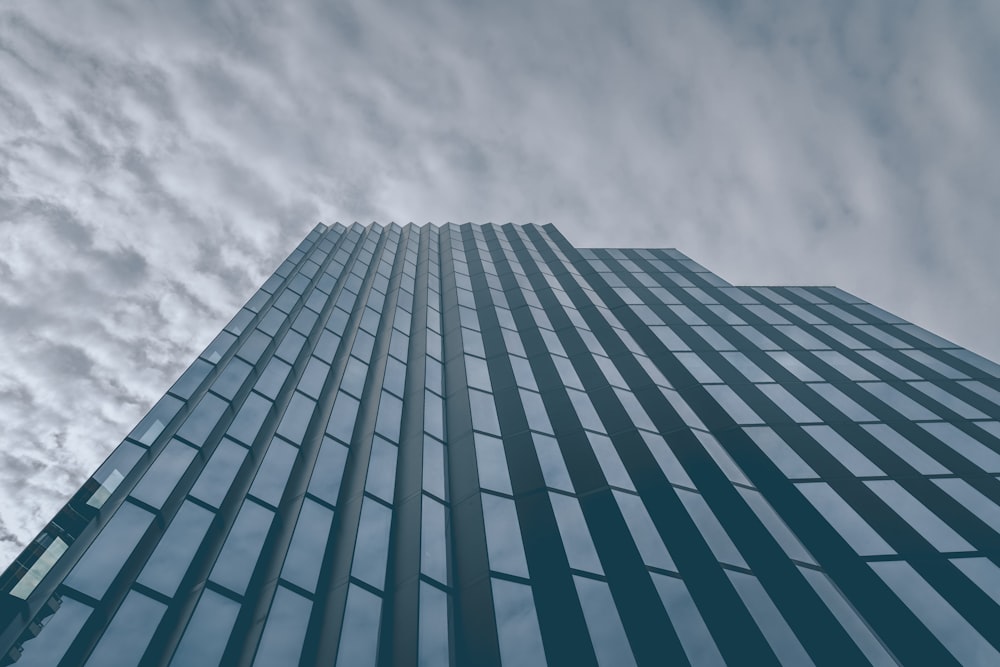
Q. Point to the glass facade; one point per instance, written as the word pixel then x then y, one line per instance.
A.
pixel 479 445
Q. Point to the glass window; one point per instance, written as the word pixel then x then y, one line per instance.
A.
pixel 756 338
pixel 484 412
pixel 169 563
pixel 432 647
pixel 949 626
pixel 354 377
pixel 113 471
pixel 974 501
pixel 846 453
pixel 314 377
pixel 492 464
pixel 770 621
pixel 125 639
pixel 239 554
pixel 272 377
pixel 433 540
pixel 395 376
pixel 735 406
pixel 575 535
pixel 284 630
pixel 269 484
pixel 963 443
pixel 192 378
pixel 160 480
pixel 517 625
pixel 296 418
pixel 200 422
pixel 896 400
pixel 776 526
pixel 606 631
pixel 690 627
pixel 906 450
pixel 326 346
pixel 218 474
pixel 921 519
pixel 856 627
pixel 371 551
pixel 846 366
pixel 342 417
pixel 711 529
pixel 795 366
pixel 503 536
pixel 951 402
pixel 698 367
pixel 156 420
pixel 847 522
pixel 842 402
pixel 434 415
pixel 231 378
pixel 359 634
pixel 788 403
pixel 611 464
pixel 47 648
pixel 647 538
pixel 390 414
pixel 42 565
pixel 328 471
pixel 551 461
pixel 381 481
pixel 218 347
pixel 100 563
pixel 434 467
pixel 667 460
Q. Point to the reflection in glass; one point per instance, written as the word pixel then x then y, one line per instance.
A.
pixel 239 554
pixel 125 639
pixel 218 474
pixel 711 529
pixel 965 643
pixel 781 454
pixel 492 464
pixel 576 537
pixel 249 419
pixel 200 422
pixel 647 538
pixel 101 562
pixel 856 627
pixel 517 625
pixel 381 480
pixel 846 453
pixel 273 473
pixel 966 445
pixel 770 621
pixel 551 461
pixel 161 478
pixel 606 632
pixel 611 463
pixel 58 631
pixel 915 513
pixel 359 634
pixel 433 540
pixel 503 536
pixel 371 551
pixel 847 522
pixel 305 552
pixel 432 648
pixel 690 627
pixel 284 629
pixel 207 632
pixel 296 418
pixel 169 562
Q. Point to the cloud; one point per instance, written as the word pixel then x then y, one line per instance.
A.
pixel 156 164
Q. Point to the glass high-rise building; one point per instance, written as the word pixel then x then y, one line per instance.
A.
pixel 479 445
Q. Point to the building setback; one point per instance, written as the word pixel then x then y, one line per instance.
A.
pixel 479 445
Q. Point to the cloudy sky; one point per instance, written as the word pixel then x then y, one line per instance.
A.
pixel 158 159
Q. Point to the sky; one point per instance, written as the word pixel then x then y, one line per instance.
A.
pixel 159 159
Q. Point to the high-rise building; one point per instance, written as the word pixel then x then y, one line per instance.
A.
pixel 479 445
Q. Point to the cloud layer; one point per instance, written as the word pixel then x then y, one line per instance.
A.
pixel 156 163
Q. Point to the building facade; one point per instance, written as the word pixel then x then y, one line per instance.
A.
pixel 479 445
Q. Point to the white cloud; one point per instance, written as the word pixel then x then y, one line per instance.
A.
pixel 156 162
